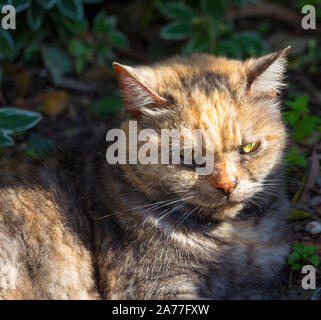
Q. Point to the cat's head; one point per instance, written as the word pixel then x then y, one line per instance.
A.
pixel 234 103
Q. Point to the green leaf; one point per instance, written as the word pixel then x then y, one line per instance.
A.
pixel 31 52
pixel 56 60
pixel 294 257
pixel 297 214
pixel 108 104
pixel 310 249
pixel 176 30
pixel 176 10
pixel 5 140
pixel 38 144
pixel 315 260
pixel 229 48
pixel 14 120
pixel 291 117
pixel 250 43
pixel 118 39
pixel 73 9
pixel 79 48
pixel 47 4
pixel 25 37
pixel 35 15
pixel 305 126
pixel 215 8
pixel 6 43
pixel 299 104
pixel 296 267
pixel 104 52
pixel 21 5
pixel 293 157
pixel 103 23
pixel 74 27
pixel 299 247
pixel 196 44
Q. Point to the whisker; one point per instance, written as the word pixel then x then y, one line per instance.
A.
pixel 166 212
pixel 152 205
pixel 181 219
pixel 187 215
pixel 254 203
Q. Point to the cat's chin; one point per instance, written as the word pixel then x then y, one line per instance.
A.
pixel 215 200
pixel 226 211
pixel 222 203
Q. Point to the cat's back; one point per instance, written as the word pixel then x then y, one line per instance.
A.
pixel 44 247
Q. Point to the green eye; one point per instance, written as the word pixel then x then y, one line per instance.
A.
pixel 250 147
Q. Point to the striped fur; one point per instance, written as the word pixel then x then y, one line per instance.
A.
pixel 74 227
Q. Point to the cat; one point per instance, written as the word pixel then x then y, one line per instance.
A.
pixel 73 226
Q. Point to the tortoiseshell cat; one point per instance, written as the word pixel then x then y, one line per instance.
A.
pixel 75 227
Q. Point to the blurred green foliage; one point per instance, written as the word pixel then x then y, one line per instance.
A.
pixel 41 21
pixel 202 24
pixel 107 104
pixel 58 34
pixel 38 144
pixel 300 118
pixel 305 127
pixel 303 254
pixel 61 35
pixel 14 121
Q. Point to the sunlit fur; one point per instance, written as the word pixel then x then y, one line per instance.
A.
pixel 73 226
pixel 211 93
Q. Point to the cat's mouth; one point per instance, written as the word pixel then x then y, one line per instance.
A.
pixel 210 201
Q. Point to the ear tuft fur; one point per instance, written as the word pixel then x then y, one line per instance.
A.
pixel 265 74
pixel 136 95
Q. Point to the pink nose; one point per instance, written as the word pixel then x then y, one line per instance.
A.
pixel 224 182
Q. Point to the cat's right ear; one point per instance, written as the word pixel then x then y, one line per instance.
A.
pixel 265 74
pixel 137 95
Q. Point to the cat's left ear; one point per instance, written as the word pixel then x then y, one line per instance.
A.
pixel 265 74
pixel 137 87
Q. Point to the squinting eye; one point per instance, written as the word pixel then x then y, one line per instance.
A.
pixel 250 147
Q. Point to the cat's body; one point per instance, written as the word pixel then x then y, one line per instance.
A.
pixel 196 259
pixel 75 227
